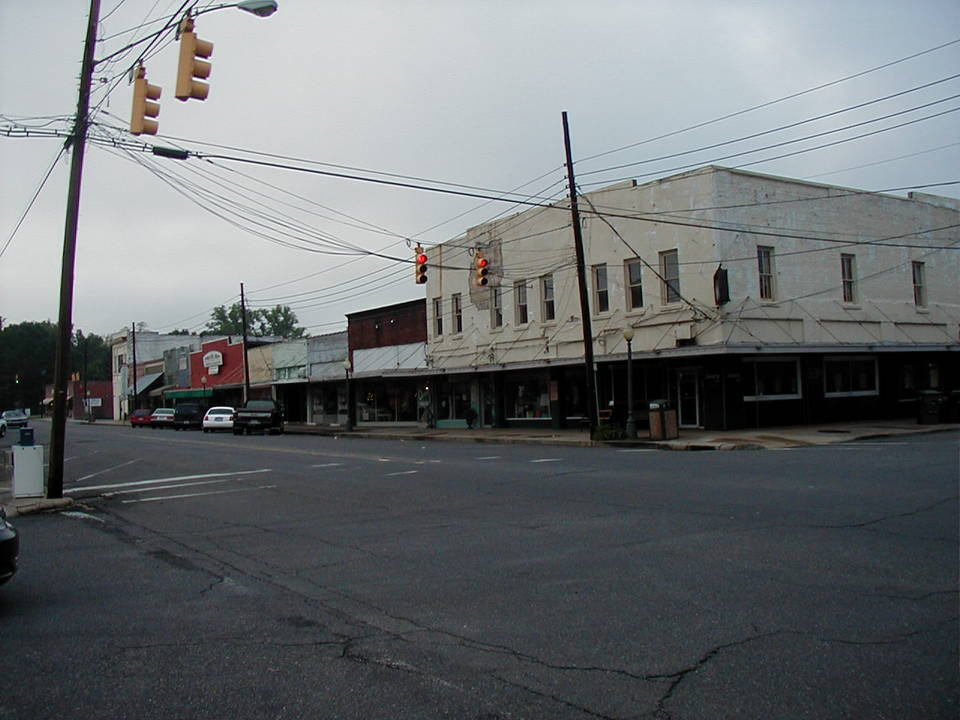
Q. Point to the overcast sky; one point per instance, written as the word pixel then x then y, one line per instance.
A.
pixel 457 91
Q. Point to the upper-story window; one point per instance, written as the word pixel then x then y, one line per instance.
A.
pixel 765 271
pixel 547 308
pixel 848 277
pixel 456 312
pixel 438 316
pixel 601 294
pixel 496 308
pixel 670 272
pixel 632 274
pixel 919 284
pixel 521 313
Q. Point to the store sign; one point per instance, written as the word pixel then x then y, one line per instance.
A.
pixel 213 359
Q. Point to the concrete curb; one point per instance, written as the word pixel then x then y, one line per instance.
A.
pixel 32 506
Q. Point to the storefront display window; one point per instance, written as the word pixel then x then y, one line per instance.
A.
pixel 527 397
pixel 393 401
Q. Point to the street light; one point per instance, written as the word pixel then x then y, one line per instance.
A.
pixel 348 426
pixel 78 142
pixel 631 428
pixel 260 8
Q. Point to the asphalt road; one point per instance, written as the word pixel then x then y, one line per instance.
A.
pixel 307 577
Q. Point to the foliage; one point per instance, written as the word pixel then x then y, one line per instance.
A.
pixel 607 431
pixel 279 321
pixel 27 356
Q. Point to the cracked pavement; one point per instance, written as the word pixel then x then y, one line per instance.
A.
pixel 811 584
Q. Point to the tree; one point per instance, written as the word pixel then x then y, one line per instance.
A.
pixel 280 321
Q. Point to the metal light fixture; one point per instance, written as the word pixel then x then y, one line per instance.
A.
pixel 631 427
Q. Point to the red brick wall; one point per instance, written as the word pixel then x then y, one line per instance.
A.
pixel 231 372
pixel 401 324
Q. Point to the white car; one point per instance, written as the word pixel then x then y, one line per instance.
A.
pixel 219 417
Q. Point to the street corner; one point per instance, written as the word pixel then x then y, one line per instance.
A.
pixel 33 506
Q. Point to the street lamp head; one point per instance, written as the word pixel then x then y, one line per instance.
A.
pixel 260 8
pixel 628 333
pixel 347 365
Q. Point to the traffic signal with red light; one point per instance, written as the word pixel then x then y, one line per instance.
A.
pixel 192 68
pixel 421 265
pixel 143 106
pixel 481 268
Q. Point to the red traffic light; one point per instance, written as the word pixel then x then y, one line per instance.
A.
pixel 421 266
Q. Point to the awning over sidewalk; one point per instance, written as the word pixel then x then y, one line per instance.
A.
pixel 187 393
pixel 143 383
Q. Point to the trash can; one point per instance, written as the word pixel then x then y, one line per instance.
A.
pixel 929 405
pixel 663 421
pixel 26 436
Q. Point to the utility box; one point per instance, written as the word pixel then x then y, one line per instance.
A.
pixel 27 471
pixel 663 421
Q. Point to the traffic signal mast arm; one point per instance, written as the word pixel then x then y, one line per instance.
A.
pixel 192 68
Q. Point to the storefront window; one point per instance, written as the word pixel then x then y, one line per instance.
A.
pixel 393 401
pixel 527 397
pixel 771 380
pixel 849 376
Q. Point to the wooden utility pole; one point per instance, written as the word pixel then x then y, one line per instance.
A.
pixel 78 138
pixel 132 404
pixel 246 364
pixel 585 324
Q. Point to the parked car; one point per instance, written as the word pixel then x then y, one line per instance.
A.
pixel 258 416
pixel 140 418
pixel 187 415
pixel 161 417
pixel 9 548
pixel 3 427
pixel 218 418
pixel 16 418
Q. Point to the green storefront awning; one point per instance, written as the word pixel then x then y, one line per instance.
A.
pixel 190 393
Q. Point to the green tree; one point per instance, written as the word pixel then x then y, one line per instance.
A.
pixel 280 321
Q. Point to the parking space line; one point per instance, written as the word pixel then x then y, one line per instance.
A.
pixel 489 457
pixel 543 460
pixel 327 465
pixel 106 470
pixel 170 487
pixel 403 472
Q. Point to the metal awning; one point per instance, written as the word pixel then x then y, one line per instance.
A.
pixel 187 393
pixel 143 384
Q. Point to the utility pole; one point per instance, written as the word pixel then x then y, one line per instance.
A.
pixel 246 365
pixel 592 410
pixel 65 322
pixel 133 401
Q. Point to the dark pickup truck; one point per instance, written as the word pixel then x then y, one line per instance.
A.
pixel 258 416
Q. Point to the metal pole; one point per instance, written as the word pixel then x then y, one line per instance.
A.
pixel 246 364
pixel 349 425
pixel 133 337
pixel 631 428
pixel 592 400
pixel 58 430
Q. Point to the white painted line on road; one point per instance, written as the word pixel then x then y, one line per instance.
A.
pixel 489 457
pixel 101 472
pixel 547 460
pixel 190 495
pixel 81 515
pixel 166 480
pixel 403 472
pixel 328 465
pixel 155 488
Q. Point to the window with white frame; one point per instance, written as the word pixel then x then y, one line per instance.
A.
pixel 456 312
pixel 632 274
pixel 848 277
pixel 601 294
pixel 771 379
pixel 521 314
pixel 438 316
pixel 765 271
pixel 547 308
pixel 670 274
pixel 850 376
pixel 496 308
pixel 919 284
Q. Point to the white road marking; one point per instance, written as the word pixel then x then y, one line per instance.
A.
pixel 489 457
pixel 403 472
pixel 169 487
pixel 82 515
pixel 166 480
pixel 328 465
pixel 101 472
pixel 547 460
pixel 190 495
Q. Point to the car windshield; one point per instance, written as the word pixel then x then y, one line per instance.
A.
pixel 220 411
pixel 163 411
pixel 260 405
pixel 13 414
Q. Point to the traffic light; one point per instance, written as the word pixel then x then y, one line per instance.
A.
pixel 481 267
pixel 143 106
pixel 421 262
pixel 192 65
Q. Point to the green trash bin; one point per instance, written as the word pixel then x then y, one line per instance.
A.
pixel 929 406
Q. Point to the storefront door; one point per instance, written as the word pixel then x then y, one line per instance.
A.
pixel 688 398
